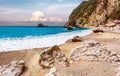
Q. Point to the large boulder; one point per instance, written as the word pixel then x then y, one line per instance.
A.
pixel 111 24
pixel 69 27
pixel 93 51
pixel 77 39
pixel 97 30
pixel 51 56
pixel 14 68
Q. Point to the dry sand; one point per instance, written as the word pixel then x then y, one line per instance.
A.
pixel 80 68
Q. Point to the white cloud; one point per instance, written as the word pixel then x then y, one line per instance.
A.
pixel 38 16
pixel 58 12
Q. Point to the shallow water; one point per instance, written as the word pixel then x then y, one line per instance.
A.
pixel 24 37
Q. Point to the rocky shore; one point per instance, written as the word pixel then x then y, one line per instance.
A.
pixel 97 54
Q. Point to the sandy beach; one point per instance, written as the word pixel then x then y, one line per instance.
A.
pixel 79 68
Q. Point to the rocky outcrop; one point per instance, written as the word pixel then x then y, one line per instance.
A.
pixel 41 25
pixel 112 26
pixel 93 51
pixel 97 30
pixel 77 39
pixel 94 12
pixel 70 28
pixel 51 56
pixel 14 68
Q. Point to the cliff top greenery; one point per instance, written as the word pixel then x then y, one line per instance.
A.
pixel 85 9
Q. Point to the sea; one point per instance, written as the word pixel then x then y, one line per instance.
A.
pixel 15 38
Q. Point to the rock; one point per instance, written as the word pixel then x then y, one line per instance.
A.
pixel 111 24
pixel 51 72
pixel 97 30
pixel 91 43
pixel 69 27
pixel 117 21
pixel 118 73
pixel 93 51
pixel 51 56
pixel 41 25
pixel 14 68
pixel 77 39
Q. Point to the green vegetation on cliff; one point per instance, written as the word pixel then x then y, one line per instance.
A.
pixel 84 10
pixel 94 12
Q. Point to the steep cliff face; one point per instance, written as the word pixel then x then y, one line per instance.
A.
pixel 94 12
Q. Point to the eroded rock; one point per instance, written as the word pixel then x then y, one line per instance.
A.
pixel 77 39
pixel 14 68
pixel 69 27
pixel 97 30
pixel 93 51
pixel 51 56
pixel 118 73
pixel 51 72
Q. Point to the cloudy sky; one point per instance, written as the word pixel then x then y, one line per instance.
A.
pixel 36 10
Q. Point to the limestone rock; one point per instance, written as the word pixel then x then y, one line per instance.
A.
pixel 91 43
pixel 93 51
pixel 77 39
pixel 118 73
pixel 111 24
pixel 51 56
pixel 14 68
pixel 51 72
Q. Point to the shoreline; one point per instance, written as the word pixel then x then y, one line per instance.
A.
pixel 39 42
pixel 110 40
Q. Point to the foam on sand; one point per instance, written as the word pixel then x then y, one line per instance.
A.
pixel 11 44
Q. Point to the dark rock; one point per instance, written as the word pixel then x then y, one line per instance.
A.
pixel 41 25
pixel 97 30
pixel 77 39
pixel 69 27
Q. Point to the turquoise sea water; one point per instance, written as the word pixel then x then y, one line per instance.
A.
pixel 27 37
pixel 23 31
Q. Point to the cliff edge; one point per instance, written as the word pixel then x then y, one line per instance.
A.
pixel 94 12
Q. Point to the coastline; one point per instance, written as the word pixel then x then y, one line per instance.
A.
pixel 110 40
pixel 10 44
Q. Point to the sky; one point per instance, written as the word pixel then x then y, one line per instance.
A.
pixel 37 10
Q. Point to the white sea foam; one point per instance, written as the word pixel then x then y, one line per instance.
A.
pixel 38 42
